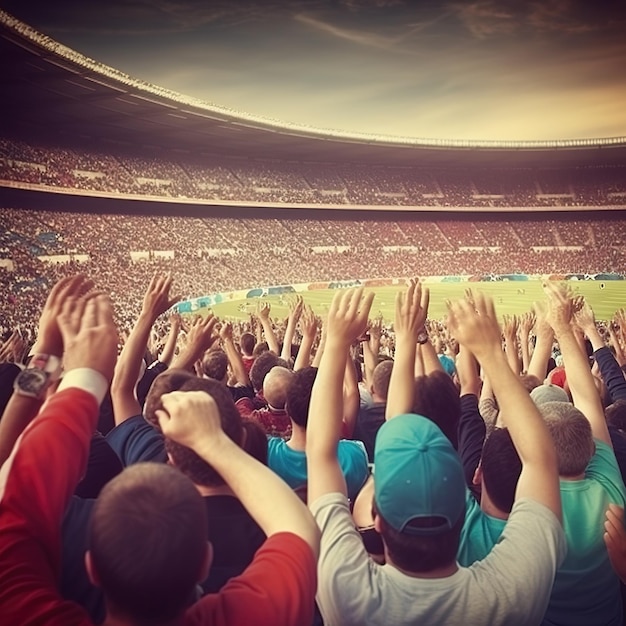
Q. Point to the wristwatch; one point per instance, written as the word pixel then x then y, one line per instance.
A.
pixel 42 371
pixel 422 337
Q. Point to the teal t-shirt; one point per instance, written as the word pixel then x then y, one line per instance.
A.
pixel 291 466
pixel 586 589
pixel 479 534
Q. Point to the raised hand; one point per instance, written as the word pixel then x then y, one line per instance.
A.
pixel 347 316
pixel 526 323
pixel 88 333
pixel 411 311
pixel 585 318
pixel 510 326
pixel 157 299
pixel 308 322
pixel 202 334
pixel 190 418
pixel 226 331
pixel 560 306
pixel 49 339
pixel 473 322
pixel 263 308
pixel 295 309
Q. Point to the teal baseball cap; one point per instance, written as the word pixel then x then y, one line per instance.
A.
pixel 417 475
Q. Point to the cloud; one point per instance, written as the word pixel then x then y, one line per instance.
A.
pixel 486 18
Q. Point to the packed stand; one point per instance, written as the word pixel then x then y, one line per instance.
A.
pixel 211 178
pixel 209 472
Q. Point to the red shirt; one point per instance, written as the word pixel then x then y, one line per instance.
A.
pixel 36 484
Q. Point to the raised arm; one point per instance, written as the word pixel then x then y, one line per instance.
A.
pixel 201 337
pixel 46 465
pixel 263 313
pixel 347 319
pixel 473 322
pixel 527 321
pixel 579 377
pixel 543 347
pixel 192 419
pixel 234 356
pixel 295 311
pixel 511 348
pixel 167 353
pixel 371 348
pixel 22 409
pixel 411 310
pixel 351 398
pixel 308 325
pixel 156 301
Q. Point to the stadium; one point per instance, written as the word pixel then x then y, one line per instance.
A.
pixel 125 178
pixel 203 422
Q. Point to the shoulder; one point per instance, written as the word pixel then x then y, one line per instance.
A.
pixel 135 440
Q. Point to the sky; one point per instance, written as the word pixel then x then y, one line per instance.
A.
pixel 462 69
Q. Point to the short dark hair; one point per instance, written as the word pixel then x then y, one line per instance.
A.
pixel 262 365
pixel 616 414
pixel 437 398
pixel 185 459
pixel 215 364
pixel 421 553
pixel 247 341
pixel 381 377
pixel 501 467
pixel 147 539
pixel 255 440
pixel 299 395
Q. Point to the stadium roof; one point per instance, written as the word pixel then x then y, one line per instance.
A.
pixel 52 92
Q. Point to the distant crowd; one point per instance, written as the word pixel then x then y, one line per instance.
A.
pixel 216 254
pixel 219 179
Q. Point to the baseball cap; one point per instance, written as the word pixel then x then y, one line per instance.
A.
pixel 417 474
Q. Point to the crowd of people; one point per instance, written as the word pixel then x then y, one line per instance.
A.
pixel 307 471
pixel 217 254
pixel 238 180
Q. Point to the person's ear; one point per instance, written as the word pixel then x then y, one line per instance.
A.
pixel 478 475
pixel 94 579
pixel 206 563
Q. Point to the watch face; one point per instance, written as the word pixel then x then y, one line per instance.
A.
pixel 32 381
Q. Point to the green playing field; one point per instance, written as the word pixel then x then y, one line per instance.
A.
pixel 510 298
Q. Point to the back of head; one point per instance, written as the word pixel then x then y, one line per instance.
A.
pixel 148 542
pixel 548 393
pixel 299 395
pixel 215 364
pixel 275 386
pixel 262 365
pixel 247 342
pixel 419 493
pixel 571 433
pixel 616 415
pixel 381 378
pixel 437 398
pixel 501 467
pixel 254 440
pixel 185 459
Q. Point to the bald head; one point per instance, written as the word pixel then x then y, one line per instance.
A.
pixel 275 386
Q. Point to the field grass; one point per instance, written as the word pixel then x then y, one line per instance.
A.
pixel 509 297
